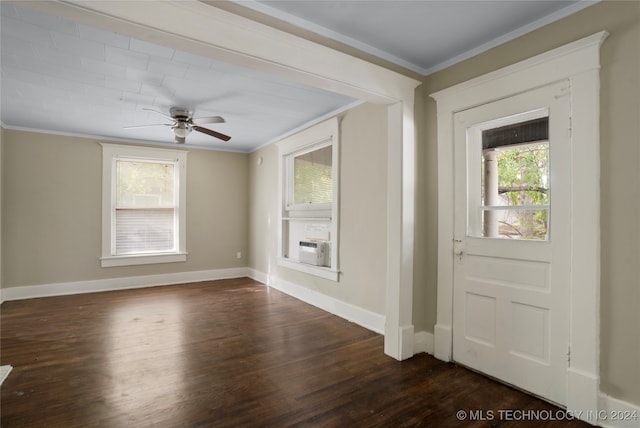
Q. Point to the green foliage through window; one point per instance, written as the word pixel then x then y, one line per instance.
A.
pixel 523 180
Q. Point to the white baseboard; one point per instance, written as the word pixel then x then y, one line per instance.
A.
pixel 364 318
pixel 4 372
pixel 442 342
pixel 616 413
pixel 582 393
pixel 423 342
pixel 110 284
pixel 400 344
pixel 407 345
pixel 256 275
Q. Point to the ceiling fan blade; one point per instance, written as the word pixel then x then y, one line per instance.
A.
pixel 159 112
pixel 148 126
pixel 212 133
pixel 180 140
pixel 203 120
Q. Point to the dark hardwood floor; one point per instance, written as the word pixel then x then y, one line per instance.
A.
pixel 229 353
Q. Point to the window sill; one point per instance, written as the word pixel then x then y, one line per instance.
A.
pixel 146 259
pixel 321 271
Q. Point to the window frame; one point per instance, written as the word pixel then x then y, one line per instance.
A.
pixel 110 154
pixel 475 202
pixel 321 135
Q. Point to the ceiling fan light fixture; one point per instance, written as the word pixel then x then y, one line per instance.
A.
pixel 181 129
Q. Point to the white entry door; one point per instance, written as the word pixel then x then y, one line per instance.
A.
pixel 512 240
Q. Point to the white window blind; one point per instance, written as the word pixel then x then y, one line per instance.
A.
pixel 312 182
pixel 144 231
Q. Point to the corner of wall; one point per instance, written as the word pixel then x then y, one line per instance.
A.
pixel 423 342
pixel 364 318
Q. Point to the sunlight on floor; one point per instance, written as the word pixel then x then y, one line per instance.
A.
pixel 146 356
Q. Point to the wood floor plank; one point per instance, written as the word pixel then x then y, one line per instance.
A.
pixel 226 354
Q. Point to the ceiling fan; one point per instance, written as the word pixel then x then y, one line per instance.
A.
pixel 183 122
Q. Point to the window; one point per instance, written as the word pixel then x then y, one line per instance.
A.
pixel 311 183
pixel 143 205
pixel 308 239
pixel 515 181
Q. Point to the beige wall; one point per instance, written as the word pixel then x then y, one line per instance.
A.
pixel 363 175
pixel 1 197
pixel 620 176
pixel 52 211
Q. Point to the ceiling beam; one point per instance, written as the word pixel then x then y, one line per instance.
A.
pixel 205 30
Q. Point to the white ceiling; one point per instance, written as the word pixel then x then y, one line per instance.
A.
pixel 65 77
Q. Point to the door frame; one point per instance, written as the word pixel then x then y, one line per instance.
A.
pixel 579 62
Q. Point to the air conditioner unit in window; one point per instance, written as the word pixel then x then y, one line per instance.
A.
pixel 313 253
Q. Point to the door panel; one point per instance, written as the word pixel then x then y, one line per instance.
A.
pixel 511 292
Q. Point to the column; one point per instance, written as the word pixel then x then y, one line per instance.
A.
pixel 491 197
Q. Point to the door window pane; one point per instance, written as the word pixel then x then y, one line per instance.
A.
pixel 515 183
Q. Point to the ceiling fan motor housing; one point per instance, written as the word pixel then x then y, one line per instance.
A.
pixel 180 113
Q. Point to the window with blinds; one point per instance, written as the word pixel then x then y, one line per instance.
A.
pixel 145 209
pixel 312 182
pixel 143 205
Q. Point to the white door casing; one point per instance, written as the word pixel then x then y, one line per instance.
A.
pixel 579 63
pixel 510 295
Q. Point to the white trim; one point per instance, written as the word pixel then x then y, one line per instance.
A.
pixel 579 62
pixel 582 390
pixel 363 317
pixel 320 271
pixel 124 283
pixel 146 143
pixel 309 124
pixel 319 134
pixel 110 153
pixel 142 259
pixel 257 275
pixel 400 229
pixel 570 59
pixel 328 33
pixel 423 342
pixel 4 372
pixel 169 145
pixel 519 32
pixel 611 410
pixel 442 341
